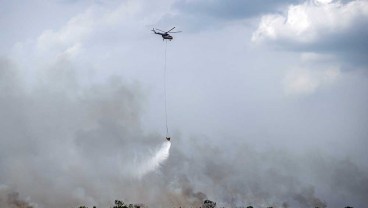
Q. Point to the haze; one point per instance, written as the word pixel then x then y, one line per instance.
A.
pixel 267 102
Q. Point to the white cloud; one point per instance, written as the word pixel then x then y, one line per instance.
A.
pixel 310 57
pixel 304 81
pixel 311 21
pixel 70 38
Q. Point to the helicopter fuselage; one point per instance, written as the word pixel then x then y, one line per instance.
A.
pixel 167 36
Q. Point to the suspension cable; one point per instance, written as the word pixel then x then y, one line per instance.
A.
pixel 165 76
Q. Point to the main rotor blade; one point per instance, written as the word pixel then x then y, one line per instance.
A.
pixel 171 29
pixel 175 32
pixel 160 30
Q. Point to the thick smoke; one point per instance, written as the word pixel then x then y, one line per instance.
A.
pixel 239 175
pixel 63 145
pixel 307 198
pixel 57 137
pixel 12 200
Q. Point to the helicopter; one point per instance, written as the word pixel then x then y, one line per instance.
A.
pixel 165 35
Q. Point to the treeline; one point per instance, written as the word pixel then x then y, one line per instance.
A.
pixel 206 204
pixel 120 204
